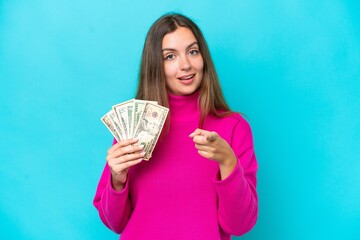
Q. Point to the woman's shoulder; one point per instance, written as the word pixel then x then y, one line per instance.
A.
pixel 239 119
pixel 231 120
pixel 237 116
pixel 230 127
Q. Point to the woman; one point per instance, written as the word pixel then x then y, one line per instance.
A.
pixel 201 180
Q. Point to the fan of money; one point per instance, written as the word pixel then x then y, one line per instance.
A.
pixel 137 119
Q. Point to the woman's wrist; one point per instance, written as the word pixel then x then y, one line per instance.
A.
pixel 227 166
pixel 116 185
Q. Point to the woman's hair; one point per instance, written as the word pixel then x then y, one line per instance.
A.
pixel 152 80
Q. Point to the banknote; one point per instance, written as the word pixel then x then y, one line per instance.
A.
pixel 121 111
pixel 115 121
pixel 137 119
pixel 130 115
pixel 150 125
pixel 139 106
pixel 109 124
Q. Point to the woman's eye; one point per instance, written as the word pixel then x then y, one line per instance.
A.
pixel 169 57
pixel 193 52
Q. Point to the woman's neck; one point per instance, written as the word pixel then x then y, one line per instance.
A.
pixel 184 106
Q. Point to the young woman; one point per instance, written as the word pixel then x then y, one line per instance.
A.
pixel 201 180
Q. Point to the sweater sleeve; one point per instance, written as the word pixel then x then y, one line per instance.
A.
pixel 237 196
pixel 114 207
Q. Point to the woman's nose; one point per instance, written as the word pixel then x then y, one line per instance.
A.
pixel 185 64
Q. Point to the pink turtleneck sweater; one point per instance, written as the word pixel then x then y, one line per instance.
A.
pixel 178 194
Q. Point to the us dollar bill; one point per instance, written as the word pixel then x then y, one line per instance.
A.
pixel 115 121
pixel 130 110
pixel 150 125
pixel 138 109
pixel 121 111
pixel 110 125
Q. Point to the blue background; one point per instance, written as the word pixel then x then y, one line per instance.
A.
pixel 291 66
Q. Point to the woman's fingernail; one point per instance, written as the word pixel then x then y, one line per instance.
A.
pixel 141 146
pixel 142 154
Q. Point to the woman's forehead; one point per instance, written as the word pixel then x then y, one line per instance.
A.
pixel 181 38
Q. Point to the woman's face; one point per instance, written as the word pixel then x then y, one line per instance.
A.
pixel 183 63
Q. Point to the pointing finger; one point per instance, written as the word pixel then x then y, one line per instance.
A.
pixel 198 132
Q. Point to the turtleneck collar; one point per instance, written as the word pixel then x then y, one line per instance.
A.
pixel 185 106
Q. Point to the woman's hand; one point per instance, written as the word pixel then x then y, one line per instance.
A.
pixel 210 145
pixel 121 156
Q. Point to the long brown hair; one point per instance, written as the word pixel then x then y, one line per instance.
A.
pixel 152 80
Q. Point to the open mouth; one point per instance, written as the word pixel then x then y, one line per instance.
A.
pixel 188 77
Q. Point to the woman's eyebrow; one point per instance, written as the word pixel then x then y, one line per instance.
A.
pixel 173 49
pixel 191 45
